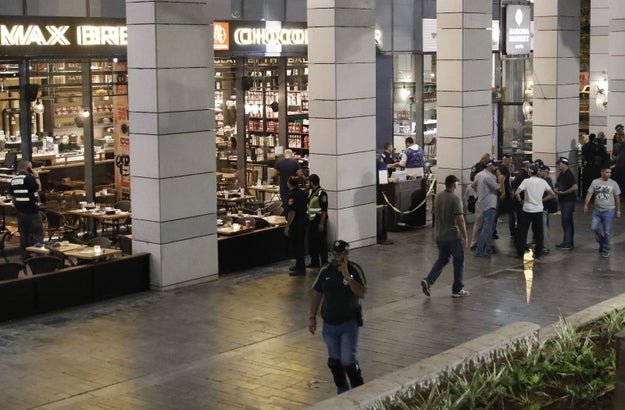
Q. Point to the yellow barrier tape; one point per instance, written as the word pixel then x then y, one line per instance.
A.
pixel 431 182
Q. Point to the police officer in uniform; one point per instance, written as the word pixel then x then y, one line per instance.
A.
pixel 25 188
pixel 341 285
pixel 295 228
pixel 317 219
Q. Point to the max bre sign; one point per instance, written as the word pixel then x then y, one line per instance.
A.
pixel 66 37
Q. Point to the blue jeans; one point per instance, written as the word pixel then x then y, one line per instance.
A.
pixel 342 342
pixel 568 228
pixel 484 246
pixel 447 249
pixel 602 227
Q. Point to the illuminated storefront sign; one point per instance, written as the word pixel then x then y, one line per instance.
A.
pixel 518 33
pixel 260 38
pixel 67 36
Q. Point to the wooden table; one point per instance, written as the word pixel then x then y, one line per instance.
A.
pixel 262 191
pixel 234 201
pixel 77 251
pixel 100 216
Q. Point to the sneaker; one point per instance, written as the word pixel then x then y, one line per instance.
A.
pixel 605 254
pixel 564 247
pixel 460 293
pixel 425 285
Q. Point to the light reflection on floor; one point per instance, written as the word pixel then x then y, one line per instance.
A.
pixel 528 272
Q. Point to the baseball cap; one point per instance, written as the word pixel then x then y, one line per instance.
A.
pixel 545 168
pixel 619 127
pixel 563 160
pixel 533 169
pixel 526 162
pixel 507 155
pixel 491 162
pixel 340 246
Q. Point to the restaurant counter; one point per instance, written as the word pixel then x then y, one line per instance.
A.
pixel 251 248
pixel 403 196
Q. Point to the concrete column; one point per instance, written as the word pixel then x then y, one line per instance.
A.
pixel 170 88
pixel 464 85
pixel 616 66
pixel 341 75
pixel 556 80
pixel 599 20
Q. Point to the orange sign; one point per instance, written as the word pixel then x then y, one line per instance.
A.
pixel 221 36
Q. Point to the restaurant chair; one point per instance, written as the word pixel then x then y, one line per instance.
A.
pixel 123 205
pixel 10 270
pixel 42 264
pixel 56 225
pixel 6 236
pixel 103 241
pixel 58 254
pixel 125 244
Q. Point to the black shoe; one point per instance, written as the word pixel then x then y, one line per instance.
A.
pixel 495 236
pixel 292 268
pixel 312 265
pixel 564 247
pixel 298 272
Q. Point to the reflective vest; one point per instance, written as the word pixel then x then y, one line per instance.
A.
pixel 314 205
pixel 414 157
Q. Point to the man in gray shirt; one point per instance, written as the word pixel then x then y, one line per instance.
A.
pixel 607 205
pixel 489 185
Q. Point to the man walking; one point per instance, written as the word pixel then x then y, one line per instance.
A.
pixel 489 185
pixel 317 219
pixel 451 238
pixel 607 205
pixel 25 188
pixel 566 189
pixel 341 285
pixel 535 189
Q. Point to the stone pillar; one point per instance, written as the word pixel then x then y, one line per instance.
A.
pixel 341 76
pixel 616 66
pixel 464 65
pixel 172 149
pixel 599 19
pixel 556 80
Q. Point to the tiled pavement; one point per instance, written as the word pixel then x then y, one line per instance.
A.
pixel 241 342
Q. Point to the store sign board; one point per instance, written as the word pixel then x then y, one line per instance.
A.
pixel 42 36
pixel 518 29
pixel 260 38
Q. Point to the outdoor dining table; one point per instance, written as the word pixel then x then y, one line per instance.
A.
pixel 78 251
pixel 100 216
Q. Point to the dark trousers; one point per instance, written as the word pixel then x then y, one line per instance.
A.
pixel 567 208
pixel 536 220
pixel 317 243
pixel 297 238
pixel 30 227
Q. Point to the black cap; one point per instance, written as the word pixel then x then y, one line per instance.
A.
pixel 545 168
pixel 563 160
pixel 539 162
pixel 507 155
pixel 526 162
pixel 491 162
pixel 340 246
pixel 619 127
pixel 533 169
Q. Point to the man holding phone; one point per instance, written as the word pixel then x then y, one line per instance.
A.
pixel 25 188
pixel 340 284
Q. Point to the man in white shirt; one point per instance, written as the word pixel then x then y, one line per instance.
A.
pixel 534 188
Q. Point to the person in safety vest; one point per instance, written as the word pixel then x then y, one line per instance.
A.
pixel 317 220
pixel 413 159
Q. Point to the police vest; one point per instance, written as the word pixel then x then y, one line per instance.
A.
pixel 414 158
pixel 314 204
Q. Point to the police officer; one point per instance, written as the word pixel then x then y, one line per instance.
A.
pixel 295 228
pixel 25 188
pixel 317 219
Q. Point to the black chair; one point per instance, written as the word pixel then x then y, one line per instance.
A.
pixel 58 254
pixel 124 205
pixel 10 270
pixel 57 226
pixel 103 241
pixel 42 264
pixel 125 244
pixel 6 236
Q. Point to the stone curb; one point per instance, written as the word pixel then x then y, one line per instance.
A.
pixel 429 369
pixel 372 393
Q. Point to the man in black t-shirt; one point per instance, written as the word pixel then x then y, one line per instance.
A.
pixel 285 168
pixel 566 189
pixel 295 228
pixel 340 284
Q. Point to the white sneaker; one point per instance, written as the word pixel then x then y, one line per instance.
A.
pixel 461 293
